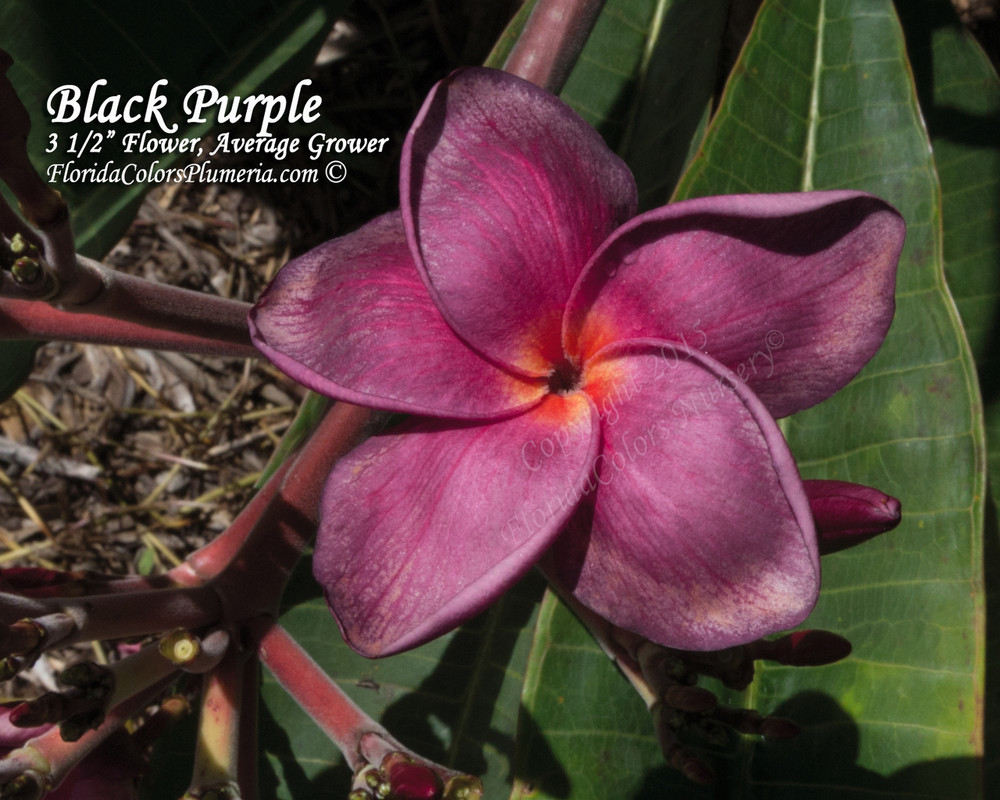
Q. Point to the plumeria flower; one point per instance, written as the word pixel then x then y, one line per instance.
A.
pixel 587 388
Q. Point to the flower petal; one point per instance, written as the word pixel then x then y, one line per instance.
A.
pixel 423 527
pixel 697 534
pixel 792 292
pixel 352 319
pixel 506 193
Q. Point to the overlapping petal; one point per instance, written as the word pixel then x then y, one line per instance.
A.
pixel 697 533
pixel 351 319
pixel 792 292
pixel 426 525
pixel 506 193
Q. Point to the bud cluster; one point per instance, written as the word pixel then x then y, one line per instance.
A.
pixel 401 777
pixel 682 710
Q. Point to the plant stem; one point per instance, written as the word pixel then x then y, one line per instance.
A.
pixel 63 756
pixel 216 757
pixel 159 305
pixel 125 614
pixel 33 319
pixel 552 41
pixel 254 578
pixel 335 713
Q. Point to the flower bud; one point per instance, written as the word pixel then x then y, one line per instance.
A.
pixel 810 648
pixel 414 782
pixel 848 514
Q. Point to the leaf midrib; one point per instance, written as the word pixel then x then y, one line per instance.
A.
pixel 809 152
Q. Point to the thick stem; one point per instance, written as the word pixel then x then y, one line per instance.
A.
pixel 211 559
pixel 361 739
pixel 552 41
pixel 136 673
pixel 122 615
pixel 160 305
pixel 33 319
pixel 335 713
pixel 254 580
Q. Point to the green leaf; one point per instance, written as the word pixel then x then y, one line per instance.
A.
pixel 822 99
pixel 645 79
pixel 960 96
pixel 584 733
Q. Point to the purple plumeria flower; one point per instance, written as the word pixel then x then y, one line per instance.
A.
pixel 589 389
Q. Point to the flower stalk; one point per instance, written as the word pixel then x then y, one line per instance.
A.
pixel 44 761
pixel 29 319
pixel 552 40
pixel 380 763
pixel 217 751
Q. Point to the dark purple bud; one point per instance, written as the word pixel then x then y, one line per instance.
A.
pixel 848 514
pixel 44 710
pixel 802 649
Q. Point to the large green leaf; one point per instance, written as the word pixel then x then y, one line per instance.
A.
pixel 645 80
pixel 960 96
pixel 822 99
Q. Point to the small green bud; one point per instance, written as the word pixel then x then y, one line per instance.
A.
pixel 26 271
pixel 463 787
pixel 20 246
pixel 9 667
